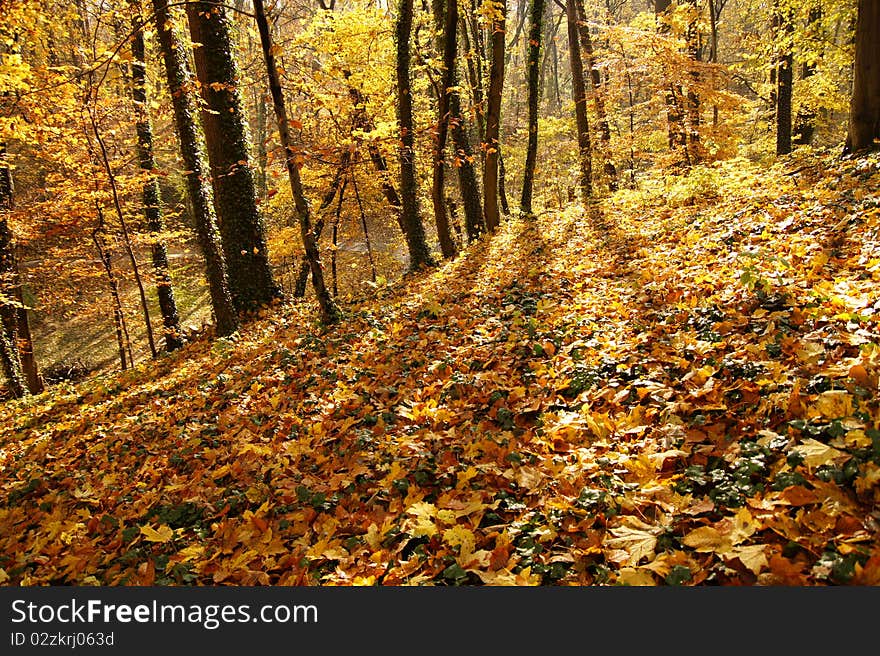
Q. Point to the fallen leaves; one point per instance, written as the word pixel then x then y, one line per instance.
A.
pixel 615 409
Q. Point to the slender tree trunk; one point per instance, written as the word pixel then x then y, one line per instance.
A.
pixel 151 195
pixel 367 241
pixel 242 230
pixel 598 87
pixel 122 341
pixel 126 236
pixel 329 311
pixel 333 253
pixel 419 255
pixel 191 150
pixel 464 158
pixel 713 48
pixel 502 185
pixel 784 81
pixel 579 96
pixel 493 118
pixel 864 121
pixel 674 105
pixel 447 47
pixel 536 12
pixel 474 52
pixel 302 278
pixel 692 40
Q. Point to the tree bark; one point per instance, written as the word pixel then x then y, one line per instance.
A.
pixel 180 84
pixel 242 229
pixel 784 81
pixel 579 96
pixel 330 313
pixel 447 46
pixel 151 195
pixel 15 321
pixel 493 119
pixel 595 77
pixel 419 255
pixel 864 121
pixel 536 11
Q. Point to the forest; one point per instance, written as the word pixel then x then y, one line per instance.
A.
pixel 450 292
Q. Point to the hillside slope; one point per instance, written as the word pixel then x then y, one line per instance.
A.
pixel 677 387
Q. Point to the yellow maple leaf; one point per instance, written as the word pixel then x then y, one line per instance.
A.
pixel 708 539
pixel 163 534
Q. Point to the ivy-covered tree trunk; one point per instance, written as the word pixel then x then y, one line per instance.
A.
pixel 18 359
pixel 180 84
pixel 330 313
pixel 9 355
pixel 579 96
pixel 447 48
pixel 493 117
pixel 464 155
pixel 864 121
pixel 151 196
pixel 419 255
pixel 536 12
pixel 242 229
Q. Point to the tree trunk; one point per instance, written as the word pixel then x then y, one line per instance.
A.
pixel 692 41
pixel 674 107
pixel 595 77
pixel 191 151
pixel 579 96
pixel 864 121
pixel 126 235
pixel 9 352
pixel 329 311
pixel 242 229
pixel 122 342
pixel 419 255
pixel 302 278
pixel 15 321
pixel 447 46
pixel 784 80
pixel 151 194
pixel 536 12
pixel 493 119
pixel 464 158
pixel 502 185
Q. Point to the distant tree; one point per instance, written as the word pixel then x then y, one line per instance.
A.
pixel 242 230
pixel 864 120
pixel 180 83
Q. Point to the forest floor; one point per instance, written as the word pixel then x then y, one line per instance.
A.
pixel 676 387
